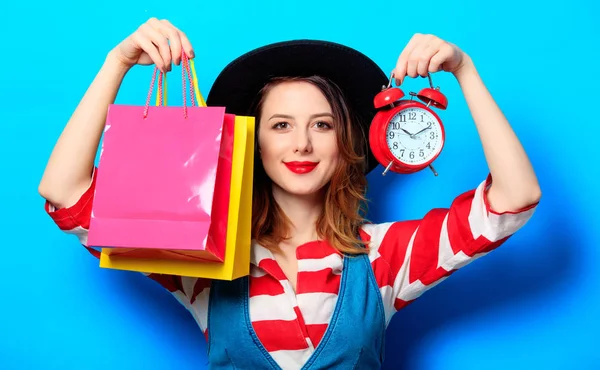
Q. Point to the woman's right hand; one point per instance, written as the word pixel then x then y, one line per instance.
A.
pixel 155 42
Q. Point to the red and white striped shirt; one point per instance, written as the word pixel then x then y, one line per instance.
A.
pixel 407 257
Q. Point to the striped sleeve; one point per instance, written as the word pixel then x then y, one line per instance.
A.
pixel 411 257
pixel 192 293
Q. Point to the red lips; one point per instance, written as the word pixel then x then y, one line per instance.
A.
pixel 301 167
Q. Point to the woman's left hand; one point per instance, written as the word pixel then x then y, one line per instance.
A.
pixel 427 54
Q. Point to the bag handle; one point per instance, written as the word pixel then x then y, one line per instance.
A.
pixel 161 98
pixel 187 65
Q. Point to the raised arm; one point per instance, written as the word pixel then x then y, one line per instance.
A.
pixel 411 257
pixel 69 170
pixel 67 184
pixel 514 184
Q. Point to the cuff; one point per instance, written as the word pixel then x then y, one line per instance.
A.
pixel 76 216
pixel 488 207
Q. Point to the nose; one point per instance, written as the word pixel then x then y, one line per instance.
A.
pixel 303 142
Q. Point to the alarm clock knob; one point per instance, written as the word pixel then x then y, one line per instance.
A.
pixel 387 97
pixel 433 97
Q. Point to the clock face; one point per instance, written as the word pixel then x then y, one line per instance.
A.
pixel 414 136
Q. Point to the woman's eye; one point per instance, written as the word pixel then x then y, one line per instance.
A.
pixel 323 125
pixel 281 125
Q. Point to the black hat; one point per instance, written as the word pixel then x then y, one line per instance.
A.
pixel 359 77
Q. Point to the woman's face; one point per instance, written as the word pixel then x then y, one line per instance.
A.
pixel 297 138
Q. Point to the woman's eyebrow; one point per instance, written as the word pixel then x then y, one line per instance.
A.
pixel 287 116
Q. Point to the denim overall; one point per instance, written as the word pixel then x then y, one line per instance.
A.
pixel 354 338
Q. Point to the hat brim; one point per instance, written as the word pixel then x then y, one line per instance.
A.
pixel 237 86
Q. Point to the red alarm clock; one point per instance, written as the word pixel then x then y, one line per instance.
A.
pixel 407 135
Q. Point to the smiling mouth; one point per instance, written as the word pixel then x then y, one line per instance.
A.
pixel 301 167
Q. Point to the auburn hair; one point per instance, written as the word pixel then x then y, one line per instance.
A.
pixel 344 204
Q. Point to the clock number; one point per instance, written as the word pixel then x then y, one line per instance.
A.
pixel 412 155
pixel 422 117
pixel 421 153
pixel 432 135
pixel 395 145
pixel 412 116
pixel 402 153
pixel 392 134
pixel 395 125
pixel 402 119
pixel 428 146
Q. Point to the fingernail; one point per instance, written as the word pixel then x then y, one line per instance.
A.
pixel 192 55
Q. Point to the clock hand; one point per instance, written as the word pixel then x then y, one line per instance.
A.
pixel 426 128
pixel 409 134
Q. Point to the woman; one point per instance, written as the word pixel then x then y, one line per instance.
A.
pixel 324 283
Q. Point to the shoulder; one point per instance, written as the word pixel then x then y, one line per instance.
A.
pixel 378 233
pixel 388 238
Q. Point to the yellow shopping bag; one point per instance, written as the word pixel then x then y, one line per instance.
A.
pixel 238 236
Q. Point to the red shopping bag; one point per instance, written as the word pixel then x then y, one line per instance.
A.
pixel 162 187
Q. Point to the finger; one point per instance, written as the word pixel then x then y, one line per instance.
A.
pixel 187 45
pixel 160 41
pixel 401 65
pixel 185 42
pixel 413 61
pixel 424 59
pixel 444 53
pixel 174 40
pixel 173 35
pixel 149 48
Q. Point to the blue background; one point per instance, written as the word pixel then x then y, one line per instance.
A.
pixel 532 304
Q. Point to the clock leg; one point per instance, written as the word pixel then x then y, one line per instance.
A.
pixel 387 168
pixel 433 169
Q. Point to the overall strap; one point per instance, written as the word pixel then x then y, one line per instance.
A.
pixel 231 342
pixel 355 337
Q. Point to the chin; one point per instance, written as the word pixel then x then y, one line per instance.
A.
pixel 302 191
pixel 301 187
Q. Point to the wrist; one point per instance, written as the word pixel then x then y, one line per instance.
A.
pixel 466 68
pixel 114 65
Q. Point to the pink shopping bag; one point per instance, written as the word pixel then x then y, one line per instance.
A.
pixel 155 191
